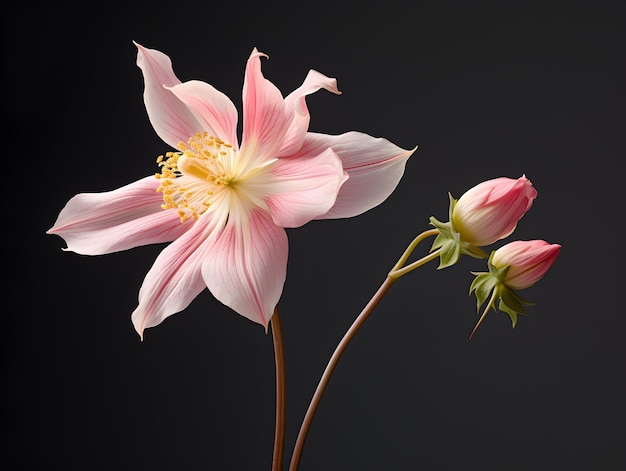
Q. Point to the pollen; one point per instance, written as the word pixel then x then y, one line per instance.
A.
pixel 192 178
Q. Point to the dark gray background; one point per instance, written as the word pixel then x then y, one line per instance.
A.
pixel 486 89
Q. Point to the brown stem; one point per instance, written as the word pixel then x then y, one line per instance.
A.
pixel 279 355
pixel 308 418
pixel 396 272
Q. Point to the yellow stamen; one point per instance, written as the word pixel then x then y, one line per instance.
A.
pixel 208 164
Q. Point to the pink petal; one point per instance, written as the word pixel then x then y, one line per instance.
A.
pixel 216 109
pixel 246 266
pixel 374 165
pixel 296 109
pixel 131 216
pixel 264 119
pixel 175 278
pixel 304 188
pixel 172 120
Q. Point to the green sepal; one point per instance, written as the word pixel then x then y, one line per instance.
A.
pixel 483 285
pixel 512 303
pixel 450 243
pixel 511 312
pixel 450 254
pixel 498 273
pixel 473 251
pixel 445 232
pixel 508 300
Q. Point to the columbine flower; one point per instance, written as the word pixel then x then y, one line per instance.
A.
pixel 483 215
pixel 225 205
pixel 515 266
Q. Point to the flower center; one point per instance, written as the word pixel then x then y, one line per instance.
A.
pixel 194 178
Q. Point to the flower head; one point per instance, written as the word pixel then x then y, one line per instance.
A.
pixel 224 203
pixel 515 266
pixel 528 261
pixel 491 210
pixel 483 215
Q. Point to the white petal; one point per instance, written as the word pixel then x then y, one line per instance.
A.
pixel 247 264
pixel 131 216
pixel 374 165
pixel 172 120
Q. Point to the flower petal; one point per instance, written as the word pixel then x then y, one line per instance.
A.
pixel 247 265
pixel 264 119
pixel 172 120
pixel 216 109
pixel 131 216
pixel 374 165
pixel 175 278
pixel 301 188
pixel 296 109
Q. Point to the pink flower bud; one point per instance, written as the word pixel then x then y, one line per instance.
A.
pixel 529 261
pixel 491 210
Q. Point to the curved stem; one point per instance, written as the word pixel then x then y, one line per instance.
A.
pixel 407 253
pixel 396 272
pixel 306 423
pixel 279 356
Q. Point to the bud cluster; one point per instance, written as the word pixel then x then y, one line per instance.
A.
pixel 485 214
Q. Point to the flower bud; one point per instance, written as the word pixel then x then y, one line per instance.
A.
pixel 491 210
pixel 528 261
pixel 514 266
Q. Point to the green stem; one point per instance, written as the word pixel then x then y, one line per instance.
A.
pixel 490 304
pixel 418 263
pixel 279 356
pixel 409 250
pixel 392 277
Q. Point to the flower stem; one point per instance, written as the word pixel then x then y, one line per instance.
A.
pixel 409 250
pixel 490 304
pixel 279 355
pixel 306 424
pixel 392 277
pixel 418 263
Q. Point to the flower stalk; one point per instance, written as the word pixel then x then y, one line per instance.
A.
pixel 394 274
pixel 491 304
pixel 330 367
pixel 279 357
pixel 398 269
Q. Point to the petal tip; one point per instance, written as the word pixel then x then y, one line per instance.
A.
pixel 139 325
pixel 256 53
pixel 140 333
pixel 408 153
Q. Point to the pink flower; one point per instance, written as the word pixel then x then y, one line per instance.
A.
pixel 224 205
pixel 528 261
pixel 491 210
